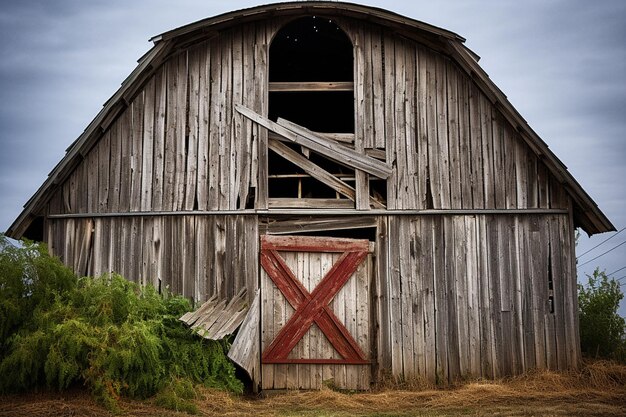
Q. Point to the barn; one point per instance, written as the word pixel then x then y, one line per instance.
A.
pixel 353 176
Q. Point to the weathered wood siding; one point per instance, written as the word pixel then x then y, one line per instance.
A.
pixel 468 296
pixel 449 145
pixel 179 145
pixel 197 256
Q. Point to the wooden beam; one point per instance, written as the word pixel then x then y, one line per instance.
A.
pixel 313 224
pixel 311 86
pixel 333 150
pixel 319 211
pixel 316 171
pixel 349 155
pixel 323 203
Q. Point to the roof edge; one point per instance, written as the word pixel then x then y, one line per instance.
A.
pixel 295 6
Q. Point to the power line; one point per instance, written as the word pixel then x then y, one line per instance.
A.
pixel 601 243
pixel 602 254
pixel 608 275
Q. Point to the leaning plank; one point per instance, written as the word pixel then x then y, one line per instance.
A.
pixel 316 171
pixel 316 143
pixel 192 316
pixel 245 350
pixel 352 158
pixel 217 318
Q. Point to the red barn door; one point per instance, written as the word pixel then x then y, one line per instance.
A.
pixel 315 312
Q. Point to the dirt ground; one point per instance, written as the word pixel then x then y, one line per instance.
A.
pixel 599 389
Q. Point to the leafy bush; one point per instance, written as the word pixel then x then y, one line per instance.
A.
pixel 602 329
pixel 111 334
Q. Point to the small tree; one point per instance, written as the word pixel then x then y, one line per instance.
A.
pixel 602 329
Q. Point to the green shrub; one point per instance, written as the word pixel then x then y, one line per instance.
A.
pixel 111 334
pixel 602 329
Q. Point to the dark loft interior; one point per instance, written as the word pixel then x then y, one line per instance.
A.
pixel 312 49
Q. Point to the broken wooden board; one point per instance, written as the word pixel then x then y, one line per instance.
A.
pixel 246 349
pixel 216 318
pixel 302 136
pixel 317 172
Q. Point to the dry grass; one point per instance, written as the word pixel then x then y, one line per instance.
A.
pixel 599 388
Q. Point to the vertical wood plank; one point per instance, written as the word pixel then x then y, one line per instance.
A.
pixel 433 187
pixel 215 124
pixel 487 151
pixel 193 130
pixel 363 111
pixel 486 324
pixel 114 169
pixel 204 87
pixel 181 113
pixel 378 93
pixel 400 139
pixel 406 295
pixel 421 140
pixel 382 300
pixel 171 137
pixel 260 53
pixel 521 172
pixel 159 139
pixel 453 136
pixel 498 128
pixel 510 179
pixel 443 158
pixel 92 162
pixel 410 110
pixel 225 111
pixel 478 191
pixel 147 156
pixel 465 157
pixel 238 139
pixel 137 152
pixel 125 134
pixel 390 117
pixel 441 300
pixel 429 291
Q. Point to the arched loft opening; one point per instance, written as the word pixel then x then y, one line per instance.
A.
pixel 311 74
pixel 311 83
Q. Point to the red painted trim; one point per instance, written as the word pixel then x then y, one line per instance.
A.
pixel 312 308
pixel 321 361
pixel 312 244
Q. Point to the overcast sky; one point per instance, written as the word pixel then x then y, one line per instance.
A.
pixel 562 64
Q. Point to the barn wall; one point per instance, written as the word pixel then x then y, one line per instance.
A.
pixel 178 145
pixel 449 145
pixel 468 296
pixel 196 256
pixel 455 295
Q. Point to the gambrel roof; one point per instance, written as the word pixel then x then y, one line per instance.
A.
pixel 586 212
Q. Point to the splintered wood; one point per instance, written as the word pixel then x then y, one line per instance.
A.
pixel 217 318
